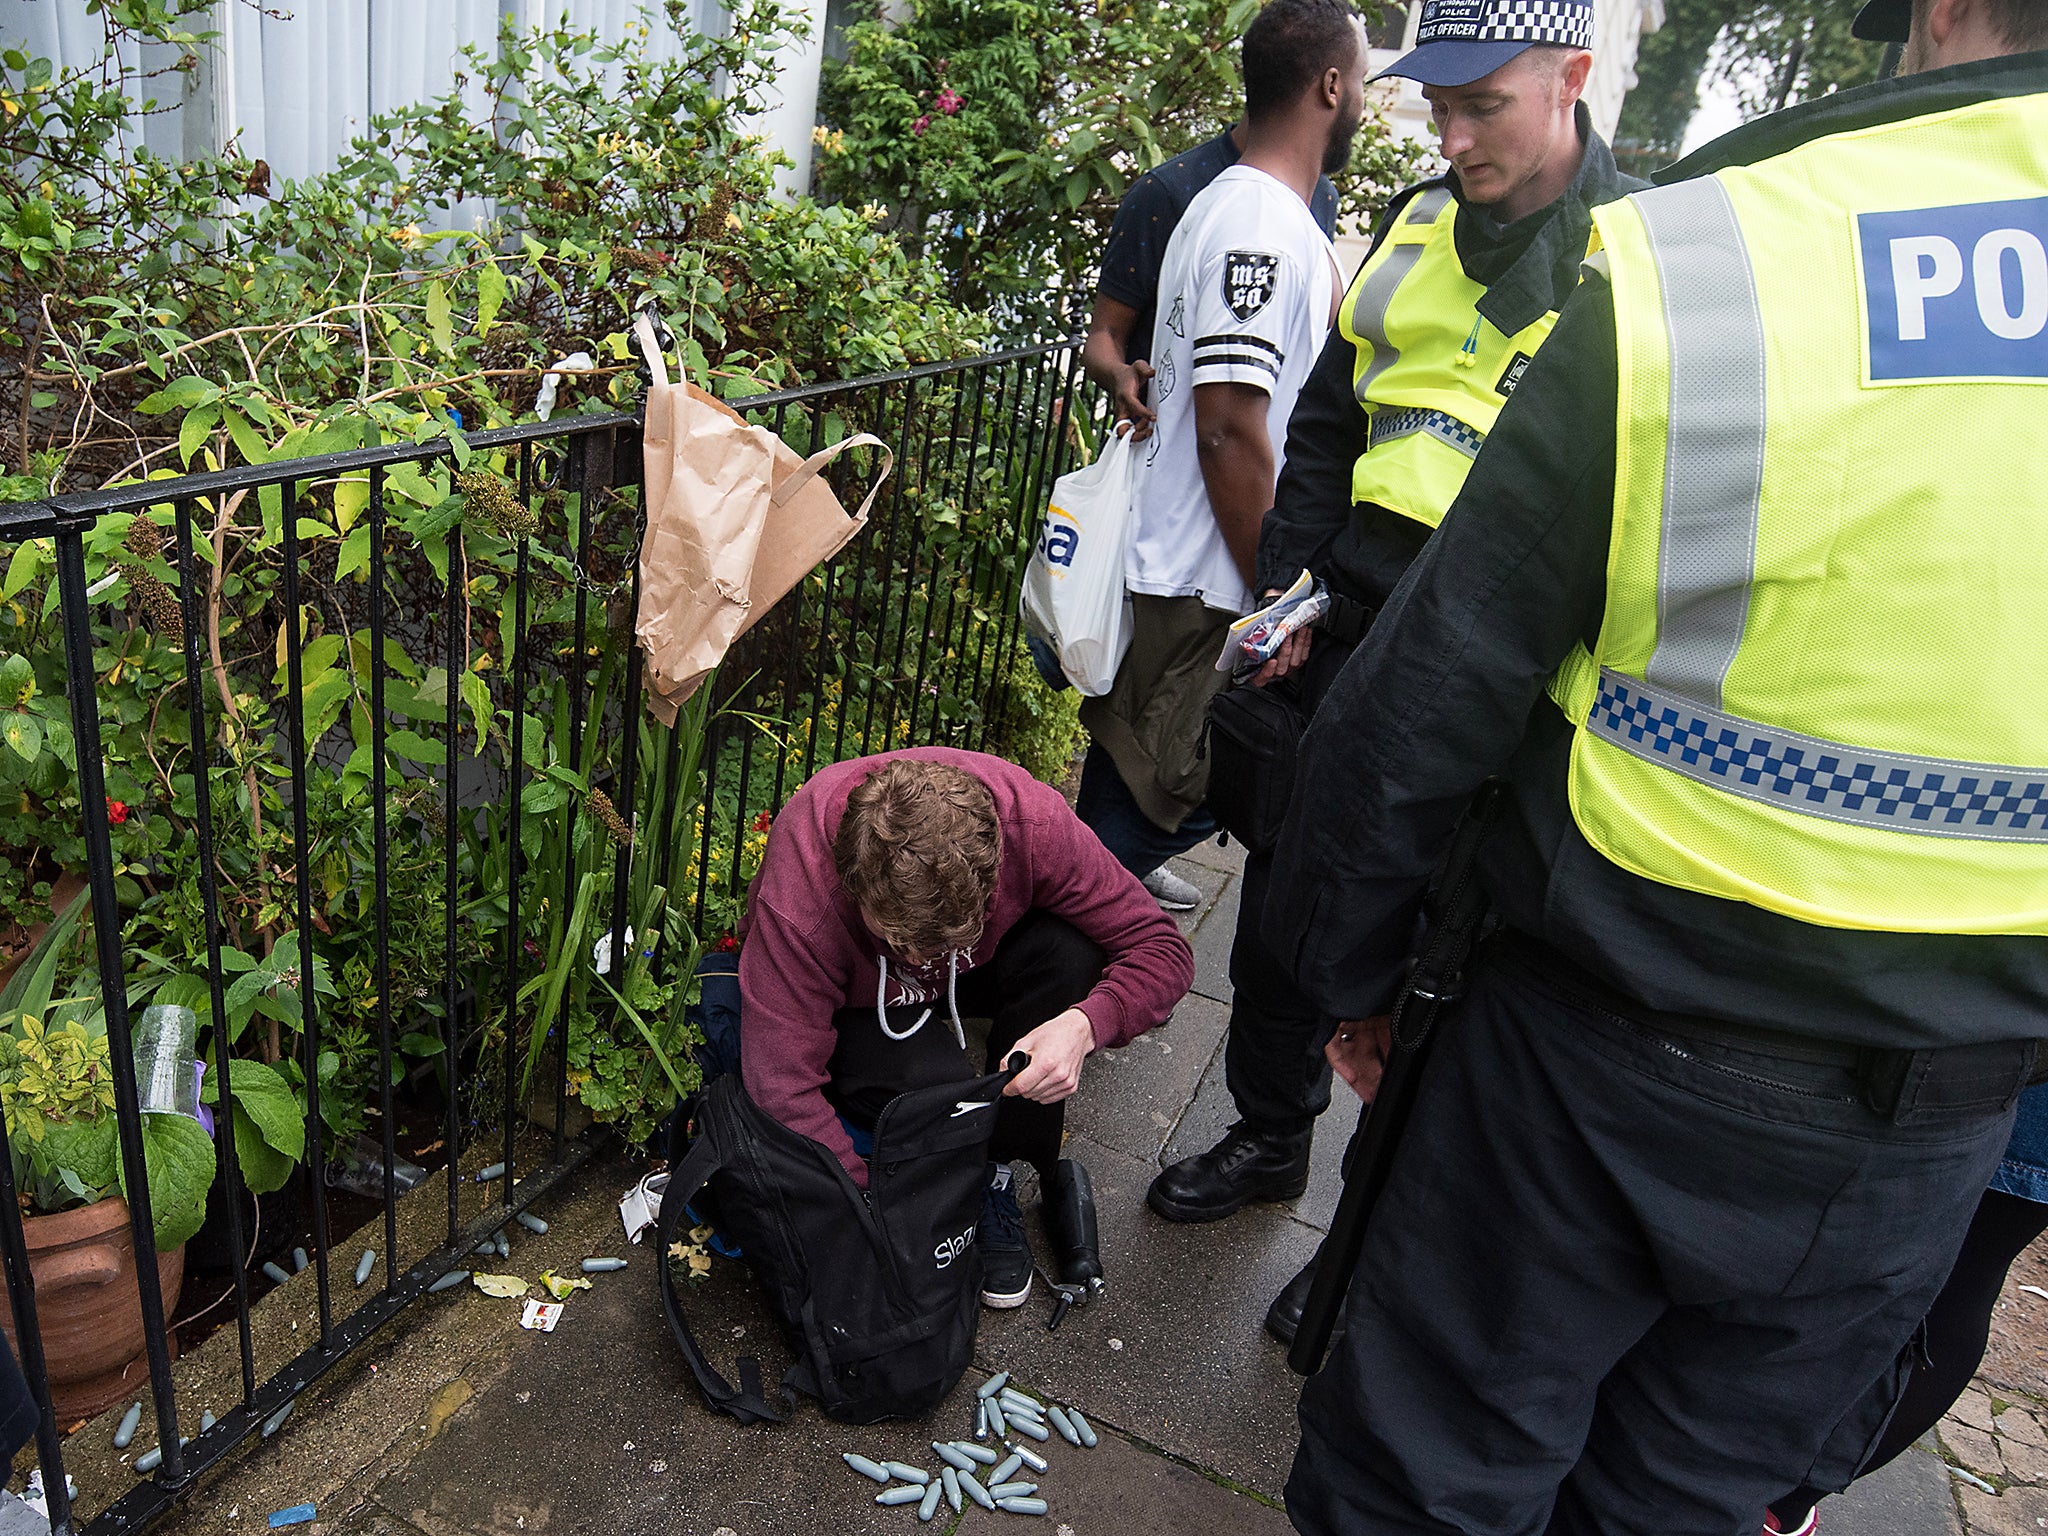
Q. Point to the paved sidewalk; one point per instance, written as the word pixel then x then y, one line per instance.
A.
pixel 462 1423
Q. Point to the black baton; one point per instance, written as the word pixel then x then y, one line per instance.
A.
pixel 1436 980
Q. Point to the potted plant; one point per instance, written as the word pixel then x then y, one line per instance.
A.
pixel 57 1089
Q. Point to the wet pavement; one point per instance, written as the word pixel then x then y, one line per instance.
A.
pixel 457 1421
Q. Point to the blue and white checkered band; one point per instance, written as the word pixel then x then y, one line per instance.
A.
pixel 1800 773
pixel 1566 22
pixel 1386 425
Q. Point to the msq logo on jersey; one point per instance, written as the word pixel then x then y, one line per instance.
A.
pixel 1058 539
pixel 1957 293
pixel 1249 278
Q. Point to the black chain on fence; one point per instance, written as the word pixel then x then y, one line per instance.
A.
pixel 475 799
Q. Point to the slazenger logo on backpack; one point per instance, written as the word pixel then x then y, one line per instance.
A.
pixel 951 1248
pixel 967 1107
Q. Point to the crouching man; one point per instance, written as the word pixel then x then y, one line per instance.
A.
pixel 903 891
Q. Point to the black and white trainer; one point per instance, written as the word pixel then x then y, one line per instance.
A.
pixel 1005 1250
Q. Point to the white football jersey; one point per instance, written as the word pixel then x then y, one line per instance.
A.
pixel 1245 296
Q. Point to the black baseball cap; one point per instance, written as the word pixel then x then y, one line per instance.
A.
pixel 1459 41
pixel 1884 21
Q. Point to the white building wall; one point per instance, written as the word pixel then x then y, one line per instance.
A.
pixel 294 82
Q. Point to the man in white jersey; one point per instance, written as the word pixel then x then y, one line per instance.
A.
pixel 1247 292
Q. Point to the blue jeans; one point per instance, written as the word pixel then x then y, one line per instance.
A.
pixel 1107 808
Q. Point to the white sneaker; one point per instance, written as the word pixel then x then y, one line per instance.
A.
pixel 1172 892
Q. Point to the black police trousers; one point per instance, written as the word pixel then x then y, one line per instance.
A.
pixel 1273 1060
pixel 1628 1283
pixel 1043 966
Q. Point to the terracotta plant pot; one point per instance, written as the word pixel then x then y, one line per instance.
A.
pixel 88 1305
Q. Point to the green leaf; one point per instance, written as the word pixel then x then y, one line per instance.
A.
pixel 490 295
pixel 410 744
pixel 355 552
pixel 1077 189
pixel 476 693
pixel 439 318
pixel 30 559
pixel 91 1149
pixel 185 992
pixel 247 442
pixel 264 1168
pixel 351 496
pixel 271 1106
pixel 179 1156
pixel 22 732
pixel 180 395
pixel 193 429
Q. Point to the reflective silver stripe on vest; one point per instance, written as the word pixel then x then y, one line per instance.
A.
pixel 1386 425
pixel 1867 788
pixel 1714 453
pixel 1376 293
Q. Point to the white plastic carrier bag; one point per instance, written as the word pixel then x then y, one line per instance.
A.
pixel 1073 596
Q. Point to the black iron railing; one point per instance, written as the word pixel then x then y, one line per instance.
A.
pixel 481 686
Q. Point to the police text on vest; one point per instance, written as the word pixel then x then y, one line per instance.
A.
pixel 1958 292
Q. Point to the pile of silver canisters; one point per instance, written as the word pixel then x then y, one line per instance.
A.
pixel 971 1470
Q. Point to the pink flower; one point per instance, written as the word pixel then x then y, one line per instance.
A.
pixel 917 128
pixel 949 101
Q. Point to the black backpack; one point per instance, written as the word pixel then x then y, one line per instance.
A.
pixel 878 1294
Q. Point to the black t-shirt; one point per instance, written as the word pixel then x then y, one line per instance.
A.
pixel 1145 221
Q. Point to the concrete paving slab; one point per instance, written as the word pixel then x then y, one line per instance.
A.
pixel 1211 944
pixel 1131 1098
pixel 1120 1488
pixel 1212 883
pixel 599 1427
pixel 1175 1355
pixel 1911 1497
pixel 1229 858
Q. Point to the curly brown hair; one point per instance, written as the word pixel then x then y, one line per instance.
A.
pixel 917 851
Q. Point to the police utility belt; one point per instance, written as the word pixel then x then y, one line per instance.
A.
pixel 1899 1085
pixel 1253 738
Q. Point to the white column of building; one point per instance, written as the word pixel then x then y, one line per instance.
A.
pixel 791 112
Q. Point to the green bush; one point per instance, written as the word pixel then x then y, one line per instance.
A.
pixel 190 308
pixel 998 136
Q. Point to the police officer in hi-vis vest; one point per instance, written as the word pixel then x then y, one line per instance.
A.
pixel 1747 598
pixel 1463 283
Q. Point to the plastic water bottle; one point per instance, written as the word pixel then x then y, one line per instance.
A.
pixel 165 1083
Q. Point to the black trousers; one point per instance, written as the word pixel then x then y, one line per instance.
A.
pixel 1273 1059
pixel 1942 1362
pixel 1622 1283
pixel 1043 966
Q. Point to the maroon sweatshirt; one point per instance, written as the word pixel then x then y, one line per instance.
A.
pixel 806 953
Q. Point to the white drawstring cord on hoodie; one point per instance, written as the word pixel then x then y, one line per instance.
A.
pixel 952 1000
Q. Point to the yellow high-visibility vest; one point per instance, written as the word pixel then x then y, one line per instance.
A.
pixel 1430 373
pixel 1821 683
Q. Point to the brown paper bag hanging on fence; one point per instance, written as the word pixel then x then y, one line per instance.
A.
pixel 735 519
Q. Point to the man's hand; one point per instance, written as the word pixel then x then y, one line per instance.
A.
pixel 1291 656
pixel 1057 1049
pixel 1109 334
pixel 1129 397
pixel 1358 1053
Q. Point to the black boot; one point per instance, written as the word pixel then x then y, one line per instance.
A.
pixel 1246 1165
pixel 1283 1318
